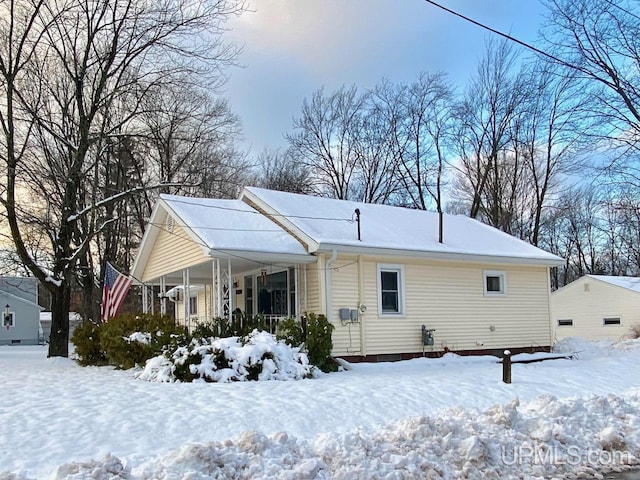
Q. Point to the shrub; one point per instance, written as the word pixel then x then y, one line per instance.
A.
pixel 257 356
pixel 314 335
pixel 319 342
pixel 127 340
pixel 634 332
pixel 240 325
pixel 292 331
pixel 86 341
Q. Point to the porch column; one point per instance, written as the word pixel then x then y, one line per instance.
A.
pixel 214 291
pixel 152 302
pixel 230 290
pixel 219 289
pixel 306 294
pixel 145 299
pixel 296 282
pixel 187 295
pixel 163 297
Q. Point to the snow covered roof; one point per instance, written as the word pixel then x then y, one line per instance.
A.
pixel 327 223
pixel 224 225
pixel 630 283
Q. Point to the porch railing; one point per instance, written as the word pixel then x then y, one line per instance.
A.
pixel 239 324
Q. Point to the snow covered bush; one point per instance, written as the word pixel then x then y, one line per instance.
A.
pixel 257 356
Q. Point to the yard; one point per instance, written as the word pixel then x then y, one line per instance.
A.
pixel 443 418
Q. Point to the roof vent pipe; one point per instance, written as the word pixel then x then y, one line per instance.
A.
pixel 358 222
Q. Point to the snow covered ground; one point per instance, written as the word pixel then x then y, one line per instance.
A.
pixel 446 418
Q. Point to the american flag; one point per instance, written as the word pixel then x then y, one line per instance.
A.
pixel 116 286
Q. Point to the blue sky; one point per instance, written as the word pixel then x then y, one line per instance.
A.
pixel 294 47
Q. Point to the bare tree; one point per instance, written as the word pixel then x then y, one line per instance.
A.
pixel 489 171
pixel 375 148
pixel 71 74
pixel 601 40
pixel 422 131
pixel 548 139
pixel 281 170
pixel 324 139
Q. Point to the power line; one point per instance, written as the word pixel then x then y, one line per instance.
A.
pixel 219 207
pixel 224 229
pixel 628 12
pixel 513 39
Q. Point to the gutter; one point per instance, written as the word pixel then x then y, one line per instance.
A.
pixel 551 261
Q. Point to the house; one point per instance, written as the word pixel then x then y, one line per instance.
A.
pixel 389 287
pixel 20 311
pixel 75 319
pixel 596 307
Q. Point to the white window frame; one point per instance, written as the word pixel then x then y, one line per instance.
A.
pixel 194 303
pixel 502 275
pixel 399 269
pixel 565 324
pixel 13 319
pixel 612 317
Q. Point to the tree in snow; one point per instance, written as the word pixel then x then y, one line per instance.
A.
pixel 72 76
pixel 601 40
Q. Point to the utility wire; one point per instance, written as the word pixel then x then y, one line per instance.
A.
pixel 519 42
pixel 219 207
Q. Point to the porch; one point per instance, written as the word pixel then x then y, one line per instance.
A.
pixel 231 288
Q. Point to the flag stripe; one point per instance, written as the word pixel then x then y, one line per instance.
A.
pixel 116 287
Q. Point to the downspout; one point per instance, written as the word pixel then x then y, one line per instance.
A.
pixel 361 310
pixel 327 282
pixel 552 328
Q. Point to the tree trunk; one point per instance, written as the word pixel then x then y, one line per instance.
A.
pixel 60 302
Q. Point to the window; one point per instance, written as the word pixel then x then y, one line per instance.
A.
pixel 272 294
pixel 193 305
pixel 248 295
pixel 565 322
pixel 391 289
pixel 612 321
pixel 495 282
pixel 9 319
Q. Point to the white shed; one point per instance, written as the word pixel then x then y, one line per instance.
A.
pixel 596 307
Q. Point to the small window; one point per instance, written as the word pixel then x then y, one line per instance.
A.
pixel 193 305
pixel 391 286
pixel 494 282
pixel 612 321
pixel 9 319
pixel 565 322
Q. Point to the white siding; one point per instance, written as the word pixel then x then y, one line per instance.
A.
pixel 587 307
pixel 346 336
pixel 313 288
pixel 172 251
pixel 449 297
